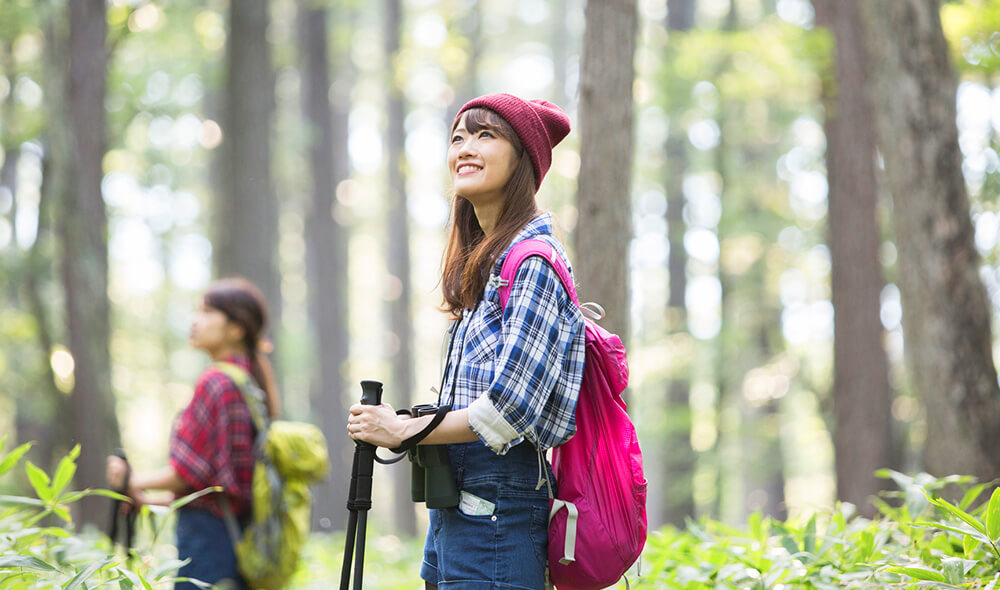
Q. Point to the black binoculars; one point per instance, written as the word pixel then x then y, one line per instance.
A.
pixel 431 479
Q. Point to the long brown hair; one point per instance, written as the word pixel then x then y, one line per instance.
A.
pixel 243 304
pixel 470 253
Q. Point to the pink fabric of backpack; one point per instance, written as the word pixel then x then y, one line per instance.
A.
pixel 597 524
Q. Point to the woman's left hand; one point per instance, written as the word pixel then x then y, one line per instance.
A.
pixel 378 425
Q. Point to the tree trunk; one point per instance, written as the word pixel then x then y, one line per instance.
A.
pixel 728 454
pixel 946 314
pixel 561 45
pixel 84 251
pixel 326 258
pixel 398 261
pixel 862 396
pixel 679 461
pixel 471 26
pixel 246 220
pixel 604 230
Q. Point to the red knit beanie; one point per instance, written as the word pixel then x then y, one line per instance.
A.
pixel 538 123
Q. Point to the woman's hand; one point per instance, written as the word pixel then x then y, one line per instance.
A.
pixel 378 425
pixel 117 470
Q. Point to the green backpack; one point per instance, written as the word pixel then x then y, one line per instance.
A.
pixel 290 456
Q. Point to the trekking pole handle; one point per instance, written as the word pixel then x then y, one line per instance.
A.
pixel 371 393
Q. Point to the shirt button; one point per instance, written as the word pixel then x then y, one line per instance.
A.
pixel 494 518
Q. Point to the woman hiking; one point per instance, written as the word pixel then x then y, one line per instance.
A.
pixel 513 374
pixel 212 439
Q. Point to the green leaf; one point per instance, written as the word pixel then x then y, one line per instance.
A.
pixel 8 462
pixel 958 513
pixel 181 502
pixel 168 567
pixel 25 561
pixel 969 545
pixel 64 474
pixel 916 500
pixel 80 579
pixel 809 539
pixel 790 545
pixel 136 579
pixel 972 494
pixel 40 481
pixel 902 480
pixel 62 513
pixel 981 537
pixel 21 500
pixel 197 583
pixel 954 572
pixel 919 573
pixel 74 496
pixel 53 531
pixel 993 516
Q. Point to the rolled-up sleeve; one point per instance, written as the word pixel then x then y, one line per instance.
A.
pixel 529 361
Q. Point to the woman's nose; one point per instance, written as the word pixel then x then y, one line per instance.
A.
pixel 467 148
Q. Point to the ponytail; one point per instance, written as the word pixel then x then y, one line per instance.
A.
pixel 263 373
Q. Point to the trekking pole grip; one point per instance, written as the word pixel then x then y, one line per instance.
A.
pixel 371 393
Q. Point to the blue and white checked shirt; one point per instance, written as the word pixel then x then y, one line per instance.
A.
pixel 521 367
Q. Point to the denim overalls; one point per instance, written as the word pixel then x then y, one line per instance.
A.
pixel 500 494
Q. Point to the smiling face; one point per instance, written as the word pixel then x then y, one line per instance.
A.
pixel 480 161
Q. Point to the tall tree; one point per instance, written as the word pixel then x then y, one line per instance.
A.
pixel 946 314
pixel 326 252
pixel 471 25
pixel 679 463
pixel 862 396
pixel 604 229
pixel 246 220
pixel 398 261
pixel 82 229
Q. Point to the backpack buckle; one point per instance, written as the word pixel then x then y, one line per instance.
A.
pixel 496 282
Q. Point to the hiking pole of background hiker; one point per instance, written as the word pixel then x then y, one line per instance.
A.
pixel 116 510
pixel 359 499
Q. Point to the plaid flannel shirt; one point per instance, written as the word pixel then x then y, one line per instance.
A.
pixel 212 441
pixel 521 367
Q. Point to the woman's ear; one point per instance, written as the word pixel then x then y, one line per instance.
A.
pixel 234 332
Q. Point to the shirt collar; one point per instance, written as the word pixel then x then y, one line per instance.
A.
pixel 240 360
pixel 539 226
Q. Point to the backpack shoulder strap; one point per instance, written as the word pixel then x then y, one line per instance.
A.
pixel 244 382
pixel 523 250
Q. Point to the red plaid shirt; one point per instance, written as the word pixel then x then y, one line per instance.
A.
pixel 212 441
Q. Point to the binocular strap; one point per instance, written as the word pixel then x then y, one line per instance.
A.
pixel 414 440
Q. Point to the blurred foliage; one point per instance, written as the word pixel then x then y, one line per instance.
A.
pixel 922 540
pixel 39 548
pixel 973 28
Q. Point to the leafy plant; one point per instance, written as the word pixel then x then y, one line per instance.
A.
pixel 38 555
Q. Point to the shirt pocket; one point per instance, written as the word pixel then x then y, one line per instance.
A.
pixel 483 338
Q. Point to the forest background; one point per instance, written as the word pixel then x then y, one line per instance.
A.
pixel 739 190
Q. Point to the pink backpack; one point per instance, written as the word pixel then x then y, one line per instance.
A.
pixel 597 525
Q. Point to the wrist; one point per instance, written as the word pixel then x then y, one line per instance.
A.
pixel 413 427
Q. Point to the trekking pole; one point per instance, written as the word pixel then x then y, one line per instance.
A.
pixel 116 510
pixel 359 499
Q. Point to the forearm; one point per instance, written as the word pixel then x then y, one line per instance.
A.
pixel 164 478
pixel 453 429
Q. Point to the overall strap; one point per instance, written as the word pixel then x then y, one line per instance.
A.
pixel 250 391
pixel 523 250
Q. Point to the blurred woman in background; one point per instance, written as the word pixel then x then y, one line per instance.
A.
pixel 212 443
